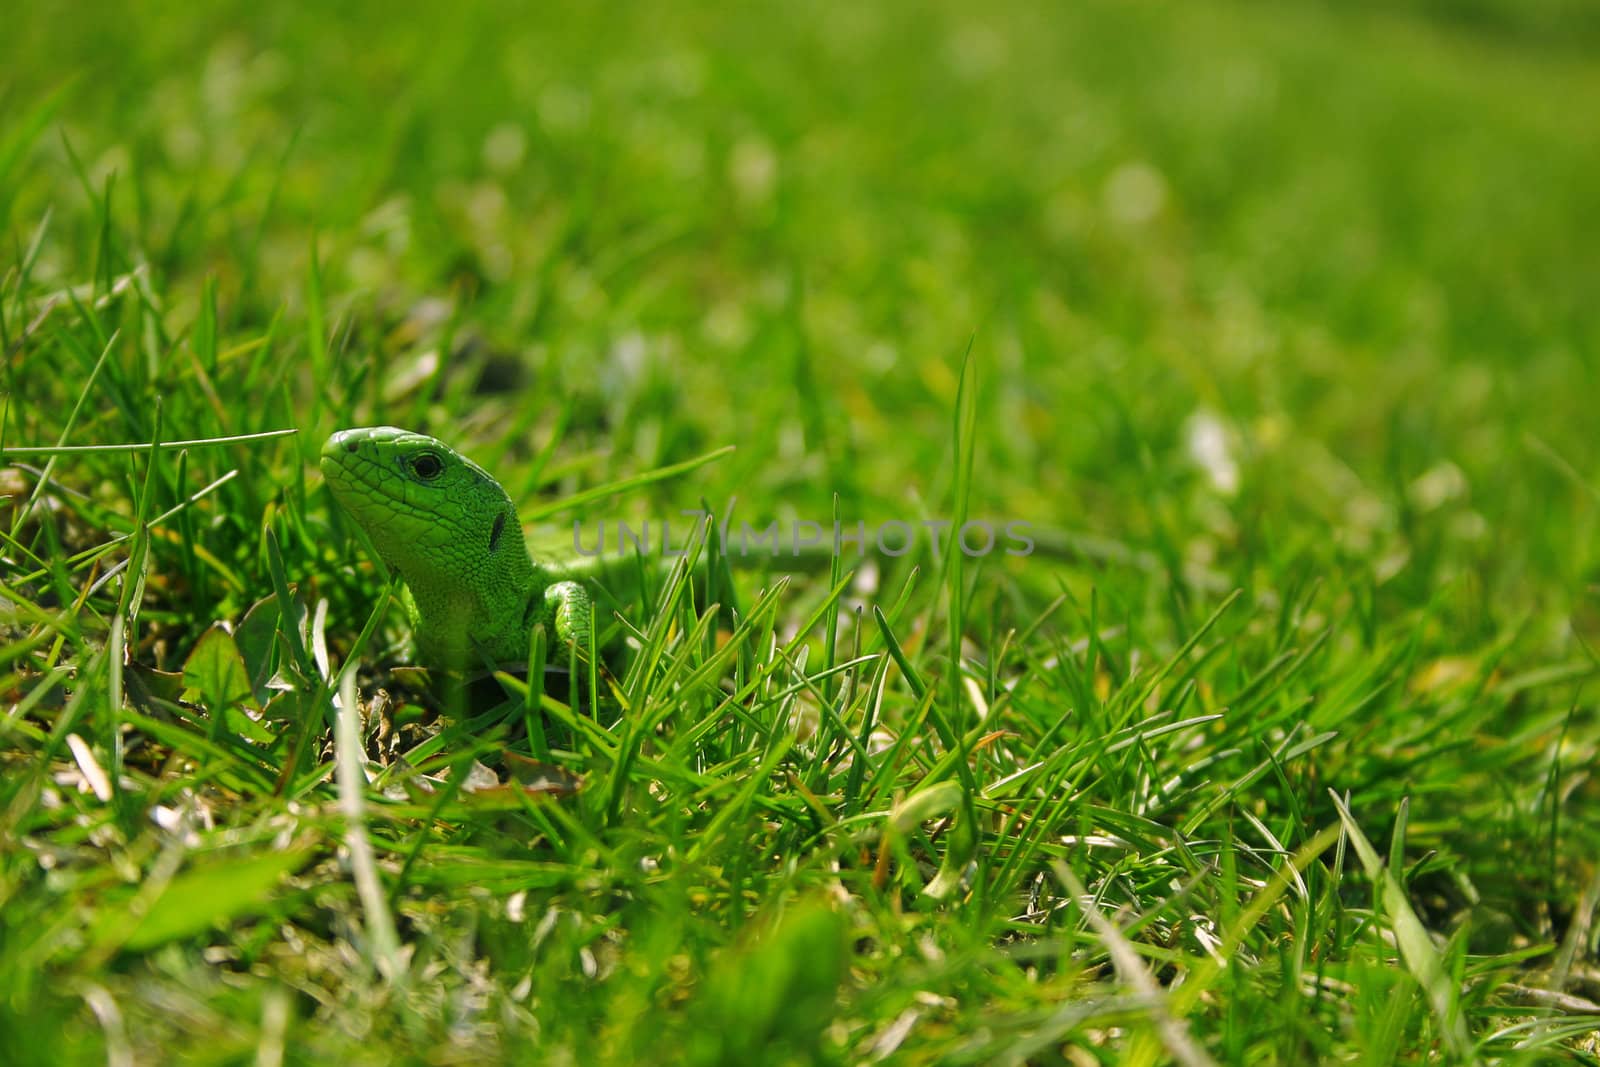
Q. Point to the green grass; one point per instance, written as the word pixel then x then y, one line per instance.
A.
pixel 1282 757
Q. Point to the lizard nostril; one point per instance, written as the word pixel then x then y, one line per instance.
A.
pixel 352 446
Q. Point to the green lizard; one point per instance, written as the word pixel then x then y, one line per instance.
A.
pixel 452 533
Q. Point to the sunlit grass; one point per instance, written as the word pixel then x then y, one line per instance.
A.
pixel 1274 324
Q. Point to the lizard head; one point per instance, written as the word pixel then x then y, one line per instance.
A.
pixel 433 515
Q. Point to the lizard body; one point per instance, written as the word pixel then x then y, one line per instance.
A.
pixel 452 533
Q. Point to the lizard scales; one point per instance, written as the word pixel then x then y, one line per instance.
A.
pixel 451 532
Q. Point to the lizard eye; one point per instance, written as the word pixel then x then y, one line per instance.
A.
pixel 427 466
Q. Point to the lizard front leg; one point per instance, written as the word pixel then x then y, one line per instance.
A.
pixel 569 609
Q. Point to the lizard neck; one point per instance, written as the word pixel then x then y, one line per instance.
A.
pixel 479 600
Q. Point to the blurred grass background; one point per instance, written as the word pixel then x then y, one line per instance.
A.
pixel 1299 295
pixel 1364 239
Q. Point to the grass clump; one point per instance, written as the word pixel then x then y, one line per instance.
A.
pixel 1274 327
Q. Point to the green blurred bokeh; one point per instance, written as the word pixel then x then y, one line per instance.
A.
pixel 1357 245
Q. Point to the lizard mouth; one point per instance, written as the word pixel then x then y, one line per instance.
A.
pixel 354 471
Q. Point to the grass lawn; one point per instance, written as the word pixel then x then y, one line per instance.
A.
pixel 1273 325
